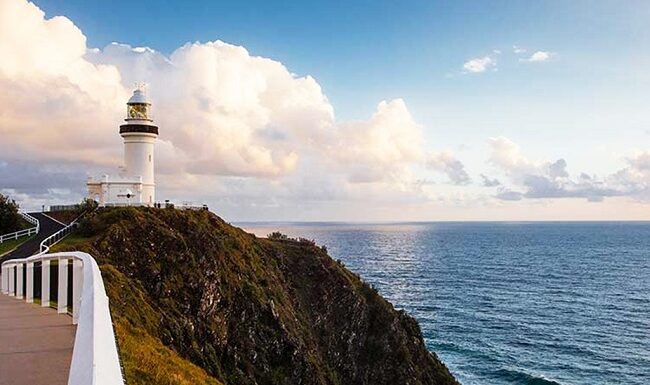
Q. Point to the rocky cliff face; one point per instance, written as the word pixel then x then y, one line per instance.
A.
pixel 243 309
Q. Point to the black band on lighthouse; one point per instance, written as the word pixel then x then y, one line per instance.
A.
pixel 139 128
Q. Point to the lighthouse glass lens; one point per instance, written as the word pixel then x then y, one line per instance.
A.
pixel 138 111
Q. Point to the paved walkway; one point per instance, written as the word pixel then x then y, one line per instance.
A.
pixel 35 344
pixel 31 247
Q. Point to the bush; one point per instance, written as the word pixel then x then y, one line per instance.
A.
pixel 88 205
pixel 9 217
pixel 308 242
pixel 278 236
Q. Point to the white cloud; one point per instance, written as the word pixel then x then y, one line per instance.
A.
pixel 52 99
pixel 224 111
pixel 446 162
pixel 480 64
pixel 223 114
pixel 539 56
pixel 380 148
pixel 518 50
pixel 544 179
pixel 489 182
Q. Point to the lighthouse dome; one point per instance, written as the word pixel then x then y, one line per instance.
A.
pixel 138 108
pixel 138 97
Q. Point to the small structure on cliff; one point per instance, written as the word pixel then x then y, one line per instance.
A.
pixel 134 185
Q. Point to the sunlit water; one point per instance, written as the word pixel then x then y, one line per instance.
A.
pixel 511 303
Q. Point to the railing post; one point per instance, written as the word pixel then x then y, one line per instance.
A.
pixel 77 284
pixel 45 283
pixel 12 281
pixel 29 295
pixel 19 281
pixel 3 275
pixel 62 301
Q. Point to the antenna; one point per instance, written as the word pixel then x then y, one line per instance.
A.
pixel 141 86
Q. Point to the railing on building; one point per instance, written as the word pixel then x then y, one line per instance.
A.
pixel 159 205
pixel 65 207
pixel 192 207
pixel 134 204
pixel 26 232
pixel 95 358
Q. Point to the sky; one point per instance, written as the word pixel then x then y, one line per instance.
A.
pixel 338 111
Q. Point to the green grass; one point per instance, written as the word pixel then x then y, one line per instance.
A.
pixel 71 242
pixel 7 246
pixel 25 225
pixel 147 361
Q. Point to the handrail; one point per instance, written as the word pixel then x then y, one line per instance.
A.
pixel 95 358
pixel 22 233
pixel 53 239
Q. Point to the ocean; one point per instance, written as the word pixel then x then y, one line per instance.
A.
pixel 510 303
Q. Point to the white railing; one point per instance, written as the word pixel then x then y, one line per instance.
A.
pixel 25 232
pixel 162 205
pixel 95 358
pixel 59 235
pixel 134 204
pixel 56 237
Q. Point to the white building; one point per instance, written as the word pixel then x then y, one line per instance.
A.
pixel 135 183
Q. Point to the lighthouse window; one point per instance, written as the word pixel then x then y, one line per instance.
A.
pixel 138 111
pixel 149 158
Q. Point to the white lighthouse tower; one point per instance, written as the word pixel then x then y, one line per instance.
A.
pixel 139 135
pixel 135 185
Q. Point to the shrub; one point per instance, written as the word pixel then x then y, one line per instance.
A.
pixel 308 242
pixel 9 217
pixel 277 235
pixel 88 205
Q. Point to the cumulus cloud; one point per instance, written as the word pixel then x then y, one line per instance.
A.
pixel 53 99
pixel 223 114
pixel 634 179
pixel 224 111
pixel 447 163
pixel 539 56
pixel 480 64
pixel 381 147
pixel 34 178
pixel 489 182
pixel 544 179
pixel 508 195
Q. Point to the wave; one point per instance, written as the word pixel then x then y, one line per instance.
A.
pixel 519 377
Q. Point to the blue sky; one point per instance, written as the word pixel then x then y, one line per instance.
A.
pixel 585 103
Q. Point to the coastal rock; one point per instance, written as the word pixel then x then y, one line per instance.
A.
pixel 249 310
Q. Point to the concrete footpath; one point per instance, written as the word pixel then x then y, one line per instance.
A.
pixel 35 344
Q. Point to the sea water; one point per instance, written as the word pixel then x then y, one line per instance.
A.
pixel 510 303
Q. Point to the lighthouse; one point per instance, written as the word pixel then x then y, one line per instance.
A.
pixel 139 135
pixel 135 184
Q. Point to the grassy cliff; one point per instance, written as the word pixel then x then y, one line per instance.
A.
pixel 195 300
